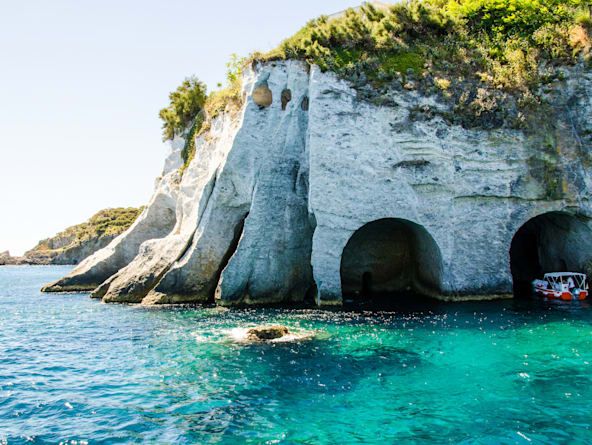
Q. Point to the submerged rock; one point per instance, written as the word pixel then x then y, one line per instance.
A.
pixel 266 333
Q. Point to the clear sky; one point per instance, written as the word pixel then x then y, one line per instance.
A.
pixel 81 84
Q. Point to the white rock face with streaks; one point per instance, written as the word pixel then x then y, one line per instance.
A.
pixel 471 190
pixel 174 161
pixel 308 192
pixel 248 244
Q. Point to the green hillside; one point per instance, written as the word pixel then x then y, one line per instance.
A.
pixel 108 222
pixel 507 44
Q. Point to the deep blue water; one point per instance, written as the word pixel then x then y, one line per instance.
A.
pixel 73 370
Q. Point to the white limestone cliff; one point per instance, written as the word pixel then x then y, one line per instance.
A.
pixel 284 200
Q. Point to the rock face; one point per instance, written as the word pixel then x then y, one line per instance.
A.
pixel 263 333
pixel 69 255
pixel 311 193
pixel 6 259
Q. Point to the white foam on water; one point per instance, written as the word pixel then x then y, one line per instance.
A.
pixel 237 334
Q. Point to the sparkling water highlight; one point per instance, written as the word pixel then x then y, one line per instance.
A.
pixel 74 370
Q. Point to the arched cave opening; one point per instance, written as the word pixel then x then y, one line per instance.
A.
pixel 390 258
pixel 552 242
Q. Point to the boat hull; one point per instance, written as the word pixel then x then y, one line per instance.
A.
pixel 559 295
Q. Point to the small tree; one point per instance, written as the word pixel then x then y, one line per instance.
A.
pixel 185 103
pixel 234 69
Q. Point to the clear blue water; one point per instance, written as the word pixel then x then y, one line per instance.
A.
pixel 74 370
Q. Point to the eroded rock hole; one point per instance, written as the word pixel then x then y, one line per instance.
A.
pixel 388 259
pixel 552 242
pixel 262 96
pixel 304 104
pixel 286 97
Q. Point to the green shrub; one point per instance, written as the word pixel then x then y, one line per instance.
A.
pixel 108 222
pixel 509 18
pixel 583 17
pixel 190 108
pixel 188 152
pixel 499 44
pixel 185 103
pixel 229 96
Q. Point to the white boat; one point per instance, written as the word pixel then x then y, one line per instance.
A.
pixel 562 286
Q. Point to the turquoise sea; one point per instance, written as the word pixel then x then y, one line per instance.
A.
pixel 75 371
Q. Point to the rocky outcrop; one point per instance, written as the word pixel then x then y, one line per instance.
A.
pixel 252 170
pixel 263 333
pixel 7 260
pixel 65 255
pixel 70 253
pixel 296 196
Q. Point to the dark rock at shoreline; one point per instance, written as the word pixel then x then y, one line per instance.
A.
pixel 65 256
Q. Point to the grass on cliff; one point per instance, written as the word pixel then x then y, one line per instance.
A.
pixel 108 222
pixel 511 45
pixel 228 97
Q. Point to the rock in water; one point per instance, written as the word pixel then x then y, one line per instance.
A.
pixel 262 333
pixel 6 259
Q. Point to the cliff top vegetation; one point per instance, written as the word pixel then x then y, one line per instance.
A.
pixel 508 44
pixel 107 222
pixel 488 58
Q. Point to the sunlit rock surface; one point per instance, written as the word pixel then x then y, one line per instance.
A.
pixel 266 209
pixel 262 333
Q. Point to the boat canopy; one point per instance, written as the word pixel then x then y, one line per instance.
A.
pixel 560 277
pixel 564 274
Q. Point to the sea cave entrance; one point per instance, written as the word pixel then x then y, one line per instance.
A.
pixel 389 258
pixel 551 242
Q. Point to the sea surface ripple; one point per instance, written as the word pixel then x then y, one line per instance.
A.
pixel 75 371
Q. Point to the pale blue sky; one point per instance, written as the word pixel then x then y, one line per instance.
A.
pixel 81 83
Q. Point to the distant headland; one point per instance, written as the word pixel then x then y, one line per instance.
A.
pixel 75 243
